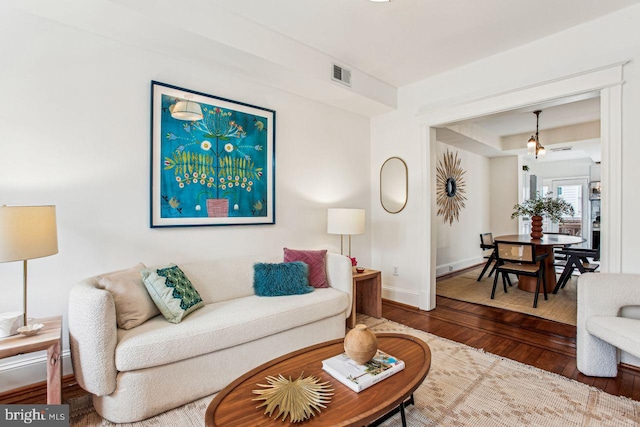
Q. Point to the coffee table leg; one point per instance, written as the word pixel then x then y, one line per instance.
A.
pixel 400 409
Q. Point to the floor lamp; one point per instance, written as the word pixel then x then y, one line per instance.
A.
pixel 27 232
pixel 345 222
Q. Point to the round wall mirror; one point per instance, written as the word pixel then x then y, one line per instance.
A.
pixel 451 187
pixel 394 185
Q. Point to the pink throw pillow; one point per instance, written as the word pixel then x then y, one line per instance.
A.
pixel 316 262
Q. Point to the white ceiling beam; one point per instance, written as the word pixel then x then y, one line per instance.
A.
pixel 477 133
pixel 562 136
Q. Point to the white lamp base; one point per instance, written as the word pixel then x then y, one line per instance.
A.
pixel 9 323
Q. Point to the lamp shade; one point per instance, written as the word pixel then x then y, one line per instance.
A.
pixel 27 232
pixel 187 110
pixel 531 146
pixel 345 221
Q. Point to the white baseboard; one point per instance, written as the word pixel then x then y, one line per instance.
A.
pixel 400 295
pixel 20 371
pixel 443 269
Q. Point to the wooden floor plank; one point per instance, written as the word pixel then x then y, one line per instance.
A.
pixel 538 342
pixel 528 339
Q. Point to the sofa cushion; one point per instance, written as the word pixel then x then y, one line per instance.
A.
pixel 172 292
pixel 316 262
pixel 133 304
pixel 273 280
pixel 621 332
pixel 221 325
pixel 224 279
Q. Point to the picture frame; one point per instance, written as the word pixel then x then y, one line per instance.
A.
pixel 211 164
pixel 594 190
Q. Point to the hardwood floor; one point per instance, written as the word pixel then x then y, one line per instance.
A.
pixel 37 393
pixel 542 343
pixel 538 342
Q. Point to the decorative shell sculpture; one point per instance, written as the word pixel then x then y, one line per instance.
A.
pixel 299 399
pixel 450 187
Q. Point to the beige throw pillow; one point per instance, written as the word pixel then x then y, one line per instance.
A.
pixel 134 306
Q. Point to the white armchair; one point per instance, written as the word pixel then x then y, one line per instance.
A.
pixel 600 329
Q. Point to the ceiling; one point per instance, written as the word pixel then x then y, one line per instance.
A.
pixel 560 113
pixel 569 129
pixel 285 43
pixel 405 41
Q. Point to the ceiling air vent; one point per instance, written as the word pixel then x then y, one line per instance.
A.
pixel 341 75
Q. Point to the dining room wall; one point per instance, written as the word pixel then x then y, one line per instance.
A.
pixel 561 168
pixel 504 194
pixel 458 243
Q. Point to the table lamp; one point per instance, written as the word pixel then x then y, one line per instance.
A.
pixel 345 222
pixel 27 232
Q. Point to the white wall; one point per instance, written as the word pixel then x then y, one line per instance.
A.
pixel 504 195
pixel 395 237
pixel 604 41
pixel 458 244
pixel 75 133
pixel 561 169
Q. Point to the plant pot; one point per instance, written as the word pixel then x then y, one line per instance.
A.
pixel 217 208
pixel 360 344
pixel 536 227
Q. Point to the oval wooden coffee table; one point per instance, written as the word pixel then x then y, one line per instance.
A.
pixel 234 406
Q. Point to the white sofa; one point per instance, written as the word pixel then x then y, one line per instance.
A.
pixel 601 330
pixel 137 373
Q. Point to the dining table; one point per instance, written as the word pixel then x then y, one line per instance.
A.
pixel 543 245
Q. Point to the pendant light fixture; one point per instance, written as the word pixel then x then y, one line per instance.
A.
pixel 534 148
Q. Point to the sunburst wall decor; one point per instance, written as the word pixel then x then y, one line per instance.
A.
pixel 450 187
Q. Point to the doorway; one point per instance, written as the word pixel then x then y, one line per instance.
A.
pixel 607 81
pixel 575 191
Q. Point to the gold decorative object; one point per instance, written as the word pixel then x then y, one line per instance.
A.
pixel 299 399
pixel 360 344
pixel 450 187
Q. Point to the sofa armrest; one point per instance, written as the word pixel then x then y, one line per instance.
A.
pixel 340 276
pixel 93 337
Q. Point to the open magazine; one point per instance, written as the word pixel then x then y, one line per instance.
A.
pixel 359 377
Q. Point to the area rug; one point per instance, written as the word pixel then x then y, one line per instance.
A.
pixel 561 307
pixel 465 387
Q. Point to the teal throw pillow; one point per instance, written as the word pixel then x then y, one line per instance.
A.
pixel 289 278
pixel 172 292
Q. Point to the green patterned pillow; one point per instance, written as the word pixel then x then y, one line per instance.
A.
pixel 172 292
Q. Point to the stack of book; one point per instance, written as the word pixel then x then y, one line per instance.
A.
pixel 358 377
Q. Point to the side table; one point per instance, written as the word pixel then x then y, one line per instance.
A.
pixel 49 338
pixel 367 295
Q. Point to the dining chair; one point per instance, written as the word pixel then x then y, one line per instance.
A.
pixel 556 249
pixel 520 259
pixel 486 243
pixel 577 259
pixel 559 259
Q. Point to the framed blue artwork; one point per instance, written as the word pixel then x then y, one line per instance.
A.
pixel 212 160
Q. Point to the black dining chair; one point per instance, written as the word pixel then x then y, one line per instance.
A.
pixel 520 259
pixel 559 259
pixel 486 243
pixel 577 259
